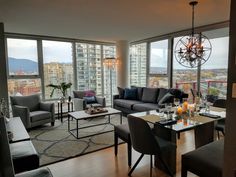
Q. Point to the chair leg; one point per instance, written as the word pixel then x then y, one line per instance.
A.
pixel 150 165
pixel 129 153
pixel 218 134
pixel 223 132
pixel 166 167
pixel 116 143
pixel 135 165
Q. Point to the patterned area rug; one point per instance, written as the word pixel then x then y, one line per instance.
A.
pixel 56 144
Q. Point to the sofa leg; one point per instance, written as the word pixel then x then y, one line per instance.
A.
pixel 52 124
pixel 184 172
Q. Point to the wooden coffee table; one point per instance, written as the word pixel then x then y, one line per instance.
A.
pixel 82 115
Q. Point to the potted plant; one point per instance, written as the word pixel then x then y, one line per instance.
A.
pixel 62 87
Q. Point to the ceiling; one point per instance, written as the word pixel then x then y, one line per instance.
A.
pixel 108 20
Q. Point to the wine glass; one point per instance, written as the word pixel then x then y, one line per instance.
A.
pixel 176 102
pixel 168 109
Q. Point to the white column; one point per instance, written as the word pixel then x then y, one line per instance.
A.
pixel 123 65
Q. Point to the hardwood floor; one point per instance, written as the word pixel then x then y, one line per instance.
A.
pixel 104 163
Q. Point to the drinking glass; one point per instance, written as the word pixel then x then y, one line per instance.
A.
pixel 161 113
pixel 176 102
pixel 168 109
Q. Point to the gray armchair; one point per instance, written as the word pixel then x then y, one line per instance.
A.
pixel 32 111
pixel 80 103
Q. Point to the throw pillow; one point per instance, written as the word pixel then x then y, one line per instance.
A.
pixel 167 98
pixel 121 92
pixel 89 93
pixel 162 92
pixel 149 95
pixel 140 92
pixel 90 99
pixel 130 94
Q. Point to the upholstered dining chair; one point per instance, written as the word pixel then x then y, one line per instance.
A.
pixel 32 111
pixel 145 142
pixel 85 99
pixel 220 126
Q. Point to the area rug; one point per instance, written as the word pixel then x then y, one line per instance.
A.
pixel 55 144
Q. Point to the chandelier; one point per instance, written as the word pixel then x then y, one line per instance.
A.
pixel 193 50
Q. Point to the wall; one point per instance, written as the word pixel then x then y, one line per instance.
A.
pixel 230 138
pixel 3 72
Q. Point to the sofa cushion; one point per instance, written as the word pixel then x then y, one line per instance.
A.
pixel 126 103
pixel 39 115
pixel 206 160
pixel 167 98
pixel 145 107
pixel 121 92
pixel 31 101
pixel 130 94
pixel 140 92
pixel 24 156
pixel 176 92
pixel 149 95
pixel 162 92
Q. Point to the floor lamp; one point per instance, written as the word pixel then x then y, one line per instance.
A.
pixel 110 63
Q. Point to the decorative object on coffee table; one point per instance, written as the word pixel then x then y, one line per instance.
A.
pixel 93 110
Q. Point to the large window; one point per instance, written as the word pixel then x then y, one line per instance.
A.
pixel 89 70
pixel 138 64
pixel 109 74
pixel 183 78
pixel 214 71
pixel 57 65
pixel 23 69
pixel 158 70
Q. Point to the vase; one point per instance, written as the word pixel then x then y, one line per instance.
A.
pixel 62 99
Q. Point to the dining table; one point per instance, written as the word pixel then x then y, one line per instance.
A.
pixel 171 125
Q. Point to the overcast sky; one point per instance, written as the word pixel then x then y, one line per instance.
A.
pixel 62 52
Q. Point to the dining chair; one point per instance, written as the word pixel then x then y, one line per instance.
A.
pixel 145 142
pixel 220 126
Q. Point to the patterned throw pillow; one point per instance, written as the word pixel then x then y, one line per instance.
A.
pixel 89 93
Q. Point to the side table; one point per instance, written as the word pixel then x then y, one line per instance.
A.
pixel 60 108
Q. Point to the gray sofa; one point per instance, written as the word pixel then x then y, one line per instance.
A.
pixel 32 111
pixel 146 99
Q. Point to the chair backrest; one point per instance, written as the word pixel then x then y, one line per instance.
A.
pixel 82 94
pixel 221 103
pixel 6 167
pixel 31 101
pixel 142 137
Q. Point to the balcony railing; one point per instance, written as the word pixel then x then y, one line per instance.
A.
pixel 219 86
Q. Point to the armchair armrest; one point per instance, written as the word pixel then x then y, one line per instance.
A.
pixel 22 112
pixel 101 101
pixel 79 104
pixel 115 97
pixel 48 107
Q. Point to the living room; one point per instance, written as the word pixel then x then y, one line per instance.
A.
pixel 71 44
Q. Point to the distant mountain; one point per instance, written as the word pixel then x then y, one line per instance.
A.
pixel 22 65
